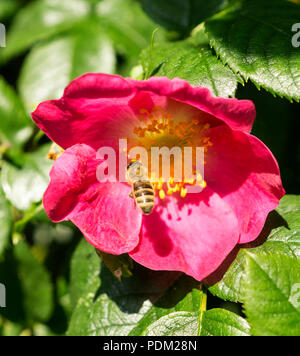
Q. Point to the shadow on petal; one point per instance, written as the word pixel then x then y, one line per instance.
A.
pixel 157 230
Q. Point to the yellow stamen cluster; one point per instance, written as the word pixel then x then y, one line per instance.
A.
pixel 159 129
pixel 170 187
pixel 159 126
pixel 155 122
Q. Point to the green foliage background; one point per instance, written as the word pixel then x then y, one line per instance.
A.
pixel 55 282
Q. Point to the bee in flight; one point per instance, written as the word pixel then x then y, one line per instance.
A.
pixel 142 189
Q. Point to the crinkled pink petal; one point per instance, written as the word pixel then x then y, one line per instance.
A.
pixel 193 235
pixel 98 107
pixel 94 108
pixel 237 114
pixel 102 211
pixel 245 174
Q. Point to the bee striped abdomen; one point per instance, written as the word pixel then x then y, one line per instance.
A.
pixel 144 196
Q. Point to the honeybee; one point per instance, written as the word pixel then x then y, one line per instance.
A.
pixel 142 189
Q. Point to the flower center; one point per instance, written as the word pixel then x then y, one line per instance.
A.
pixel 160 129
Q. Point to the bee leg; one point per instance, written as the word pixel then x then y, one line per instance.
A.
pixel 131 196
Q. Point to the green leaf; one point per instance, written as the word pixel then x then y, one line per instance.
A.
pixel 28 286
pixel 107 306
pixel 179 313
pixel 214 322
pixel 174 324
pixel 5 222
pixel 42 330
pixel 181 16
pixel 84 268
pixel 15 127
pixel 126 24
pixel 282 229
pixel 254 39
pixel 14 310
pixel 7 328
pixel 229 287
pixel 36 284
pixel 219 322
pixel 26 186
pixel 272 294
pixel 285 228
pixel 196 64
pixel 183 296
pixel 8 7
pixel 40 20
pixel 51 66
pixel 133 307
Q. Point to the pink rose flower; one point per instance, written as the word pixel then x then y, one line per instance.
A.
pixel 192 233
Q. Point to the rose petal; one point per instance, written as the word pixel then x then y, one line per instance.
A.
pixel 94 108
pixel 243 171
pixel 193 235
pixel 102 211
pixel 237 114
pixel 99 107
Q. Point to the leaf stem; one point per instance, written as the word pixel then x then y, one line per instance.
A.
pixel 20 223
pixel 202 308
